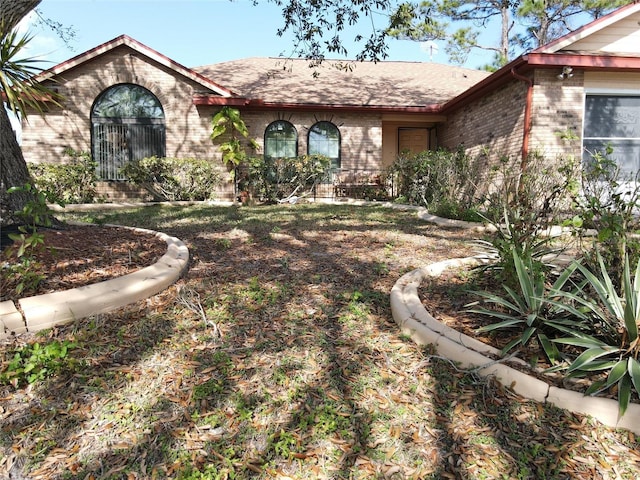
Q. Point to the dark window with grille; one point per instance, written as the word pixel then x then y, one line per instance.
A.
pixel 281 140
pixel 324 139
pixel 613 121
pixel 127 123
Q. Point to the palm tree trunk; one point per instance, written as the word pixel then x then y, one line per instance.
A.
pixel 12 11
pixel 13 169
pixel 13 173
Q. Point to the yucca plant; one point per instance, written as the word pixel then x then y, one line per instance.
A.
pixel 17 75
pixel 532 309
pixel 614 347
pixel 515 235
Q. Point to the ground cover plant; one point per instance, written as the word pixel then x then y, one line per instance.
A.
pixel 276 357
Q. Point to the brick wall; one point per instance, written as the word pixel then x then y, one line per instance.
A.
pixel 188 127
pixel 493 123
pixel 360 134
pixel 44 138
pixel 557 110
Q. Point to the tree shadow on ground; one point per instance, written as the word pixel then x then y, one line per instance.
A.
pixel 295 369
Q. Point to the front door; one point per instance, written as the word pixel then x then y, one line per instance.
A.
pixel 413 140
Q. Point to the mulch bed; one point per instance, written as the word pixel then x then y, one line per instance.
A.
pixel 74 256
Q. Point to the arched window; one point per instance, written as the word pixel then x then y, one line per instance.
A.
pixel 127 123
pixel 281 140
pixel 324 139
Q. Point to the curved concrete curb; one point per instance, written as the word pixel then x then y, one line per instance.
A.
pixel 88 207
pixel 415 321
pixel 57 308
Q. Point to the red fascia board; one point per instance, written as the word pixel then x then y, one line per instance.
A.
pixel 260 104
pixel 221 101
pixel 80 58
pixel 589 62
pixel 531 61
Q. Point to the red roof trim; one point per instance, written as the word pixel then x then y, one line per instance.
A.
pixel 528 62
pixel 590 62
pixel 257 103
pixel 481 88
pixel 140 48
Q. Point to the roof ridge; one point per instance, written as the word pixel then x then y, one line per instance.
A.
pixel 331 61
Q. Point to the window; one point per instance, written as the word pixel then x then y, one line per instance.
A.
pixel 324 139
pixel 127 123
pixel 281 140
pixel 613 120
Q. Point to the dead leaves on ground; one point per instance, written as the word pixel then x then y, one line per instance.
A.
pixel 304 376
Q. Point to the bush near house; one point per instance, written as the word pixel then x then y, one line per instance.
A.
pixel 608 203
pixel 73 181
pixel 442 181
pixel 174 179
pixel 584 317
pixel 271 179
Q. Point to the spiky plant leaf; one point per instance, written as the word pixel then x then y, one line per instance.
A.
pixel 624 394
pixel 634 372
pixel 588 356
pixel 510 322
pixel 550 349
pixel 17 76
pixel 616 373
pixel 527 334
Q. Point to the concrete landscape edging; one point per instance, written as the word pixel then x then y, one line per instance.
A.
pixel 58 308
pixel 414 320
pixel 46 311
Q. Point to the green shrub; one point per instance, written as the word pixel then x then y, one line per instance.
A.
pixel 71 182
pixel 531 308
pixel 174 179
pixel 271 179
pixel 612 346
pixel 522 205
pixel 437 178
pixel 608 203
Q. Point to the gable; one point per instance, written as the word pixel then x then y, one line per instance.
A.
pixel 615 33
pixel 622 37
pixel 137 50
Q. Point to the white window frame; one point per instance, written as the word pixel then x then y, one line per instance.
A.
pixel 590 92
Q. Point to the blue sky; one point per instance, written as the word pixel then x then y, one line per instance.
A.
pixel 191 32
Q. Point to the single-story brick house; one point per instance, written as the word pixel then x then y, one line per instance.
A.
pixel 124 100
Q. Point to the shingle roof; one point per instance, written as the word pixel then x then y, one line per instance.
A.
pixel 395 84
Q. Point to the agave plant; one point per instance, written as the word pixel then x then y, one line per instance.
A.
pixel 615 346
pixel 533 309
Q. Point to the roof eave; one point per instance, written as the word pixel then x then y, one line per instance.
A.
pixel 261 104
pixel 588 29
pixel 590 62
pixel 532 61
